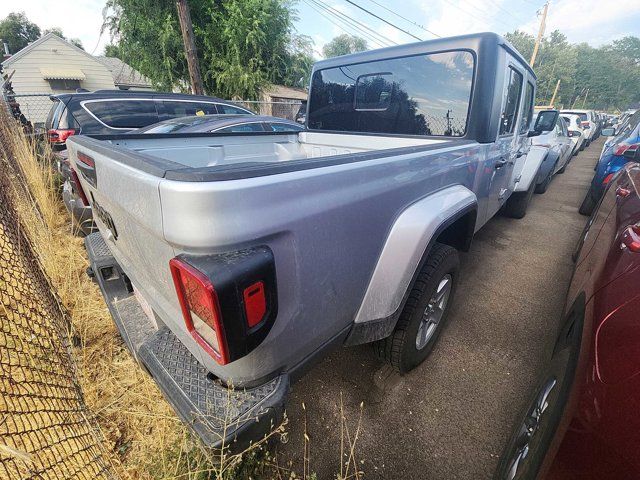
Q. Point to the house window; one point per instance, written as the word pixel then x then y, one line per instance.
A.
pixel 64 84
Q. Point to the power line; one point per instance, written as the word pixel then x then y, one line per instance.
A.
pixel 497 5
pixel 383 20
pixel 404 18
pixel 343 25
pixel 472 14
pixel 351 19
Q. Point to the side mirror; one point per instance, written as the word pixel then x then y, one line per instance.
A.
pixel 632 154
pixel 609 132
pixel 574 133
pixel 546 121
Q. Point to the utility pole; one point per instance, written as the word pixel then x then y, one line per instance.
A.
pixel 555 92
pixel 543 24
pixel 190 47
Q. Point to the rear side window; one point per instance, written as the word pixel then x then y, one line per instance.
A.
pixel 124 113
pixel 424 95
pixel 230 109
pixel 283 127
pixel 527 109
pixel 247 127
pixel 510 104
pixel 174 109
pixel 54 114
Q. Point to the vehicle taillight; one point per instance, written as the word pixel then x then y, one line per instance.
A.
pixel 200 309
pixel 255 303
pixel 78 188
pixel 623 147
pixel 607 179
pixel 631 238
pixel 57 135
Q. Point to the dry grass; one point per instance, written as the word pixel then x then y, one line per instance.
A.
pixel 141 430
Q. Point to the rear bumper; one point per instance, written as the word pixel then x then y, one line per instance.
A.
pixel 219 415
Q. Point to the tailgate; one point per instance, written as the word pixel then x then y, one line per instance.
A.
pixel 126 207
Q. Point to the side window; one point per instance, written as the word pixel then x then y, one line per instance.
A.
pixel 510 108
pixel 283 127
pixel 564 126
pixel 527 109
pixel 247 127
pixel 124 113
pixel 230 109
pixel 175 108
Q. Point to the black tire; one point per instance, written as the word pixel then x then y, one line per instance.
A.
pixel 400 348
pixel 588 204
pixel 518 202
pixel 542 187
pixel 564 168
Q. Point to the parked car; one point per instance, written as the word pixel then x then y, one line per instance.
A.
pixel 221 124
pixel 253 254
pixel 118 111
pixel 587 122
pixel 301 114
pixel 578 138
pixel 559 151
pixel 611 160
pixel 583 423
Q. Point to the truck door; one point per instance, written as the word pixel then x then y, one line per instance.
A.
pixel 524 143
pixel 504 155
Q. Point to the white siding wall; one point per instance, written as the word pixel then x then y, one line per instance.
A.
pixel 52 53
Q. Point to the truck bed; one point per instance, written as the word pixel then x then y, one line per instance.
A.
pixel 202 157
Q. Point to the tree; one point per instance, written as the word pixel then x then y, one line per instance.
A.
pixel 58 31
pixel 17 31
pixel 242 45
pixel 343 45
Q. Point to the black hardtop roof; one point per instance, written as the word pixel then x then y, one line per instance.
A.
pixel 473 41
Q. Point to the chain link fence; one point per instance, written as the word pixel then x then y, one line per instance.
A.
pixel 46 430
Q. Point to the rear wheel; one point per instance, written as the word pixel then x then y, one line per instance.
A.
pixel 425 313
pixel 518 202
pixel 542 187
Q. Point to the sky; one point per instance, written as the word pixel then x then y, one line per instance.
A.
pixel 593 21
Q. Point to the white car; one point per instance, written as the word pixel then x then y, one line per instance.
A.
pixel 573 124
pixel 587 122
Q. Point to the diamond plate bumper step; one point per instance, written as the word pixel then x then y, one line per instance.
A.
pixel 219 415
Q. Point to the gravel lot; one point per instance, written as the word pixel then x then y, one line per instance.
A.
pixel 450 417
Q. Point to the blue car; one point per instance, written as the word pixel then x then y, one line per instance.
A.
pixel 612 159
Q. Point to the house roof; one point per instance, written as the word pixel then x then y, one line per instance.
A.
pixel 123 74
pixel 42 39
pixel 281 91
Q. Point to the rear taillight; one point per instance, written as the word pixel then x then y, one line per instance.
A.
pixel 631 238
pixel 255 304
pixel 623 147
pixel 78 187
pixel 58 135
pixel 607 179
pixel 200 309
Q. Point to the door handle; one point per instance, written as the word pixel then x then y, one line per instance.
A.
pixel 501 163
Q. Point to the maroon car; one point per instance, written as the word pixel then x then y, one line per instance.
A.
pixel 584 420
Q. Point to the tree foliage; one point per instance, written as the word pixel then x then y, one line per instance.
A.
pixel 17 31
pixel 343 45
pixel 242 45
pixel 603 78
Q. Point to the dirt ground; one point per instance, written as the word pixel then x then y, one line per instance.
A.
pixel 451 416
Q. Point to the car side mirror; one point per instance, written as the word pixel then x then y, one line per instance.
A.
pixel 609 132
pixel 574 133
pixel 632 154
pixel 546 121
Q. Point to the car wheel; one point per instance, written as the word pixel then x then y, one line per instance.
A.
pixel 542 186
pixel 518 202
pixel 589 203
pixel 564 168
pixel 538 424
pixel 425 313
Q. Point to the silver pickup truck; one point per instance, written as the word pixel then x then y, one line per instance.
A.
pixel 230 262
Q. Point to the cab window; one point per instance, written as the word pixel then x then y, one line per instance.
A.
pixel 510 103
pixel 527 109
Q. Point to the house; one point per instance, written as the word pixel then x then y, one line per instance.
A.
pixel 281 101
pixel 125 77
pixel 51 65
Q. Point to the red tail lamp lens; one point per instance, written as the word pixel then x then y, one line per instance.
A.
pixel 607 179
pixel 255 303
pixel 59 135
pixel 200 309
pixel 86 159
